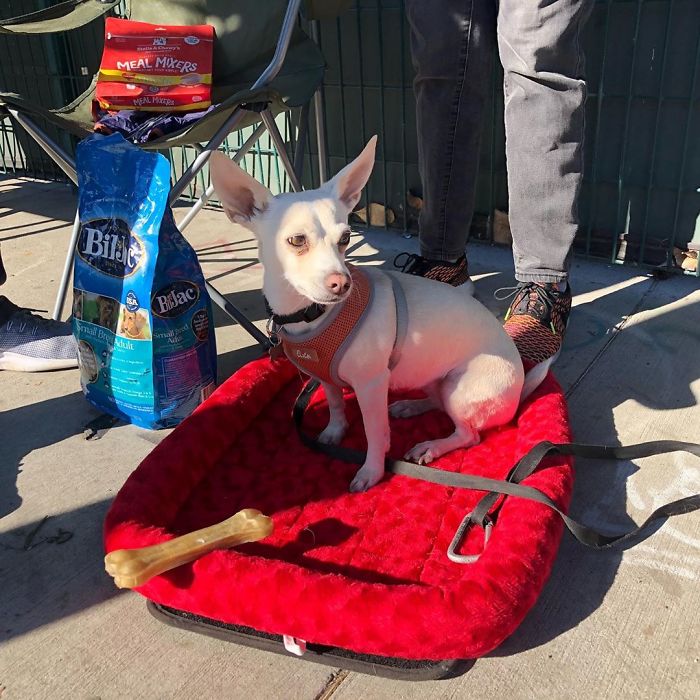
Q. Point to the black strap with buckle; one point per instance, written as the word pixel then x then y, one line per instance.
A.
pixel 485 511
pixel 307 314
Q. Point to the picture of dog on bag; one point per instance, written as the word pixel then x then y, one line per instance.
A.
pixel 95 308
pixel 134 324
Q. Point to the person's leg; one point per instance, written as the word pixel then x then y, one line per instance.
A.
pixel 539 43
pixel 452 44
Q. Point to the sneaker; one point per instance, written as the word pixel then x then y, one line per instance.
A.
pixel 31 343
pixel 537 320
pixel 455 273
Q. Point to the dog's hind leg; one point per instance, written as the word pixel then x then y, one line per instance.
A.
pixel 477 397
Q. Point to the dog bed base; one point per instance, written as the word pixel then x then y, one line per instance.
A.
pixel 383 666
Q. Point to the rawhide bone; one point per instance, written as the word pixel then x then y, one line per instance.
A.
pixel 133 567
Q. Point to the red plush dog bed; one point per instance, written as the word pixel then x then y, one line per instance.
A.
pixel 364 572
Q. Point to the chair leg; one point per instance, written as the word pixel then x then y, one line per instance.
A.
pixel 191 172
pixel 319 113
pixel 277 139
pixel 302 134
pixel 52 149
pixel 68 165
pixel 237 158
pixel 67 270
pixel 202 158
pixel 237 315
pixel 321 137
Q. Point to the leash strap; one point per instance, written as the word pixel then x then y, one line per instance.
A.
pixel 495 488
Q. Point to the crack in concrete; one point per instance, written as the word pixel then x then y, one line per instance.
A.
pixel 335 680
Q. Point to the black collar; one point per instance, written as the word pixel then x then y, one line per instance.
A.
pixel 307 314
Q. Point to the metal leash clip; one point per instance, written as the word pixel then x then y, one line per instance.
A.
pixel 459 536
pixel 275 350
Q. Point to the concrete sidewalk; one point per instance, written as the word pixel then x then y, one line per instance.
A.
pixel 620 624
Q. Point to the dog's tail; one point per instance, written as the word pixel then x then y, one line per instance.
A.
pixel 535 377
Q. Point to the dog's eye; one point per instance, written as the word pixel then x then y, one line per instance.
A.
pixel 344 238
pixel 298 241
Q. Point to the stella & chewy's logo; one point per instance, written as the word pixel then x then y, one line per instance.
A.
pixel 109 246
pixel 174 299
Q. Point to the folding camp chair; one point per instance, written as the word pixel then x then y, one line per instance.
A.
pixel 263 63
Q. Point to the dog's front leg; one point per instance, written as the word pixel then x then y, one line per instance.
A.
pixel 337 425
pixel 373 397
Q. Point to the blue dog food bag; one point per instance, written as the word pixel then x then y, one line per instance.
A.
pixel 141 313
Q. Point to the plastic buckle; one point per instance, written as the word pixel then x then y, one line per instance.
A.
pixel 459 536
pixel 293 645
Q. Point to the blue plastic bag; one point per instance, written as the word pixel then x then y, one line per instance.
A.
pixel 141 313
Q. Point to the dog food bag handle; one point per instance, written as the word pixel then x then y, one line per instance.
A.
pixel 133 567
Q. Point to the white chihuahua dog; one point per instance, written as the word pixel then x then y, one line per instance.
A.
pixel 453 348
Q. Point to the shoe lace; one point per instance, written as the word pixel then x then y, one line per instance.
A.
pixel 531 290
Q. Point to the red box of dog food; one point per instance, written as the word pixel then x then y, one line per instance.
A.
pixel 156 68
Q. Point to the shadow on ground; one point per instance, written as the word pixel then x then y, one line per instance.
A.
pixel 33 427
pixel 57 570
pixel 55 202
pixel 656 366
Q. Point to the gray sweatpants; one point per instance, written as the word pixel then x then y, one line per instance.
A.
pixel 539 45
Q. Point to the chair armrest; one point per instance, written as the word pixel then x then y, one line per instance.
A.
pixel 59 18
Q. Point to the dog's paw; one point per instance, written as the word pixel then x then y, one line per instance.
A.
pixel 367 477
pixel 422 453
pixel 333 434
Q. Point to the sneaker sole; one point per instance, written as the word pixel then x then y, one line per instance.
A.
pixel 15 362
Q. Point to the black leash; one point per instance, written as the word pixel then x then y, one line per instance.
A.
pixel 510 486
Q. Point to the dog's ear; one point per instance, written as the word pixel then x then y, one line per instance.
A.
pixel 241 195
pixel 347 185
